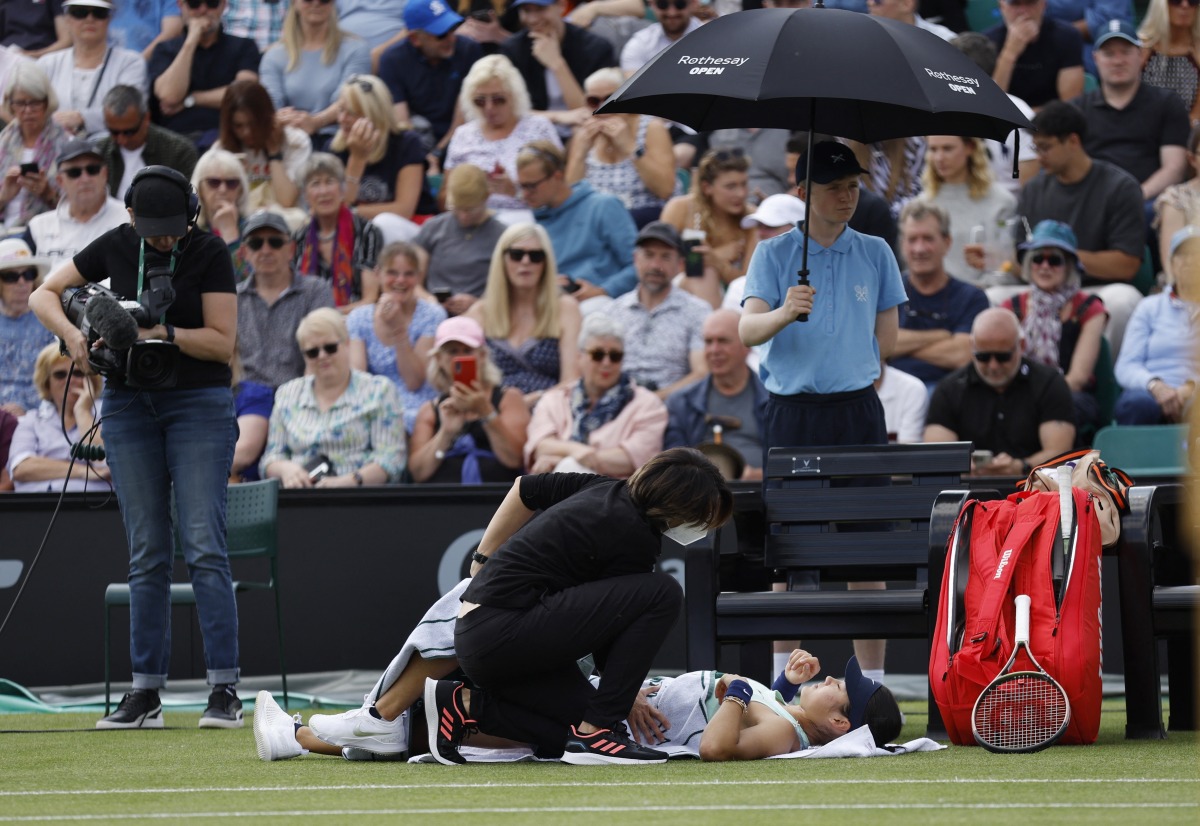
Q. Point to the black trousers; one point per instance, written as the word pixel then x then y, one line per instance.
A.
pixel 522 661
pixel 820 419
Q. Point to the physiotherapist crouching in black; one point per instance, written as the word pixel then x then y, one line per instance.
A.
pixel 575 579
pixel 165 441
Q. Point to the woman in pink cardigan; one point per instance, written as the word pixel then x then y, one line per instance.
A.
pixel 604 423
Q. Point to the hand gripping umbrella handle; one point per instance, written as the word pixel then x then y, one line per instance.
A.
pixel 803 276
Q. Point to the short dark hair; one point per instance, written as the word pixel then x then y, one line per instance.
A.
pixel 979 48
pixel 1060 120
pixel 882 716
pixel 120 98
pixel 681 486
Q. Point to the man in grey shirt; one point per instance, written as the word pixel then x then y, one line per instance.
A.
pixel 272 301
pixel 663 349
pixel 460 241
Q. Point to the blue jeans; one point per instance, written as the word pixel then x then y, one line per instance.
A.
pixel 180 441
pixel 1137 406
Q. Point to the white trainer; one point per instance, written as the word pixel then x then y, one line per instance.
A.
pixel 274 730
pixel 359 729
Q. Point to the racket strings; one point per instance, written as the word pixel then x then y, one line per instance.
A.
pixel 1022 712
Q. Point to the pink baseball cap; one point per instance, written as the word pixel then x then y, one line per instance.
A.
pixel 459 328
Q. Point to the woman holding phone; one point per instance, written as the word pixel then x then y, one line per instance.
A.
pixel 474 431
pixel 28 147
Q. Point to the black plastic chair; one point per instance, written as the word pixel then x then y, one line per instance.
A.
pixel 251 531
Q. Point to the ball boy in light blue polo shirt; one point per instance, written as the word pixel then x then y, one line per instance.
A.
pixel 820 372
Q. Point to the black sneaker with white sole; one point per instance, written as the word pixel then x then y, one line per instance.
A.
pixel 224 709
pixel 446 719
pixel 608 747
pixel 139 708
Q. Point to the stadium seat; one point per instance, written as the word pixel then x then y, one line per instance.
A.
pixel 982 15
pixel 251 531
pixel 1144 450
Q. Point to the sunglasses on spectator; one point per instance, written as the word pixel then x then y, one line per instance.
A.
pixel 517 256
pixel 256 243
pixel 1052 259
pixel 362 83
pixel 60 375
pixel 92 169
pixel 312 352
pixel 724 155
pixel 82 12
pixel 195 4
pixel 228 183
pixel 13 276
pixel 15 104
pixel 663 5
pixel 1003 357
pixel 614 356
pixel 1192 3
pixel 124 133
pixel 594 101
pixel 496 100
pixel 322 2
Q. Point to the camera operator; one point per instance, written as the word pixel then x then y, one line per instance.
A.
pixel 164 440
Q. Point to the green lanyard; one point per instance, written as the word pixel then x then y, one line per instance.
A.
pixel 142 270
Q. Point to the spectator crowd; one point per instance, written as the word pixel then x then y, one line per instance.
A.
pixel 451 270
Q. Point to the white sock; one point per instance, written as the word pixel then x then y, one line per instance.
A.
pixel 780 659
pixel 875 674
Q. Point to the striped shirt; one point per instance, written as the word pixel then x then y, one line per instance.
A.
pixel 364 425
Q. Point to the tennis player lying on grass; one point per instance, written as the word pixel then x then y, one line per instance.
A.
pixel 704 713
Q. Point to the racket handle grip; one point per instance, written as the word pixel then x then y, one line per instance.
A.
pixel 1066 503
pixel 1021 626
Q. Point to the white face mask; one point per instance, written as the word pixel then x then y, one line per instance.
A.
pixel 686 534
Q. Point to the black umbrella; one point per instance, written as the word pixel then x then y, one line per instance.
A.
pixel 826 70
pixel 844 73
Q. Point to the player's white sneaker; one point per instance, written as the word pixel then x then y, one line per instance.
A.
pixel 274 730
pixel 359 729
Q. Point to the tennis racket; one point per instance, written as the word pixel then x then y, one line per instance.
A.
pixel 1020 711
pixel 1066 507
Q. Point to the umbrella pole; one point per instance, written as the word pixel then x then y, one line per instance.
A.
pixel 803 273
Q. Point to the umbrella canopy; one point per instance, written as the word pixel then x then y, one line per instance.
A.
pixel 828 70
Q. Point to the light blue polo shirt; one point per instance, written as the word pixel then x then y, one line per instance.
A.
pixel 835 350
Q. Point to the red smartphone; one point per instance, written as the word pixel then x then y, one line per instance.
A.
pixel 465 369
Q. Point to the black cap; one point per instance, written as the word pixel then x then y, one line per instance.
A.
pixel 160 207
pixel 830 161
pixel 661 232
pixel 265 219
pixel 77 148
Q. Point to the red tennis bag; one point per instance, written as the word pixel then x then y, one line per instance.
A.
pixel 997 550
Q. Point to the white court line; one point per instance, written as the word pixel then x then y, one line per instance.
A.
pixel 576 784
pixel 309 813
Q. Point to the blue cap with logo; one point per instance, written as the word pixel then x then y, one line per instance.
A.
pixel 432 16
pixel 533 3
pixel 1117 28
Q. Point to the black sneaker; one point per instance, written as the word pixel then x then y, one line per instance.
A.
pixel 139 708
pixel 446 720
pixel 224 709
pixel 608 747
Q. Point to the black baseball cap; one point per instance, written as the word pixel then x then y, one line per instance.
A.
pixel 830 161
pixel 265 219
pixel 160 207
pixel 662 232
pixel 77 148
